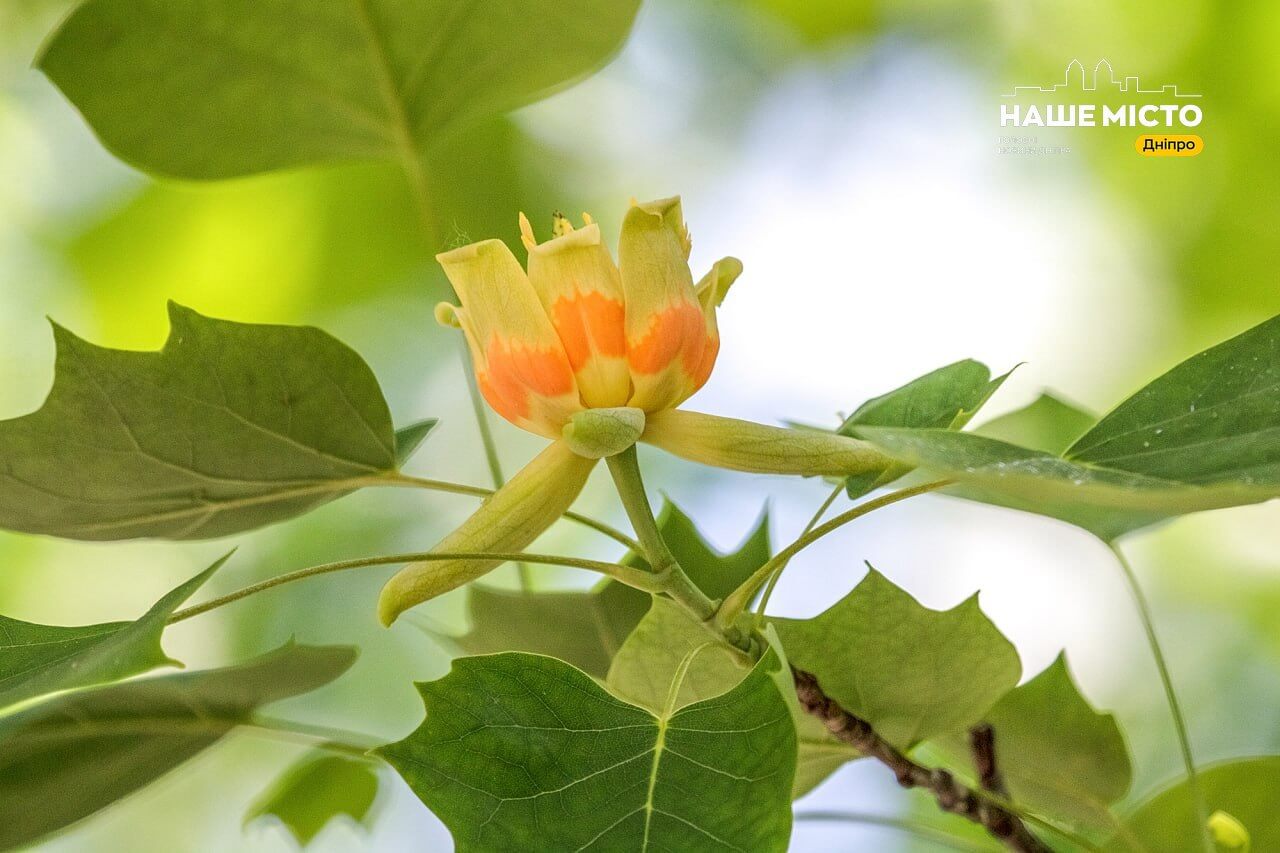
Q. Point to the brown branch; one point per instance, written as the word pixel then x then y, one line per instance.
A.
pixel 982 741
pixel 951 795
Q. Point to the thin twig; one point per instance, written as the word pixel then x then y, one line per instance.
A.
pixel 629 575
pixel 763 604
pixel 1196 795
pixel 738 600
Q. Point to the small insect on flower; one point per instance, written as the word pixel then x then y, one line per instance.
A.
pixel 596 356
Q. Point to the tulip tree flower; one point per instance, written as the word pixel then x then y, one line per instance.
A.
pixel 597 356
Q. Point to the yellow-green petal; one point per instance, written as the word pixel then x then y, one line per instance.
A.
pixel 756 448
pixel 509 520
pixel 667 342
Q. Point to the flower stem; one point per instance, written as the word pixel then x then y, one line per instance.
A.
pixel 323 737
pixel 1171 697
pixel 625 468
pixel 628 575
pixel 740 598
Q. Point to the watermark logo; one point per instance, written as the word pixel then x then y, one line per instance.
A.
pixel 1099 97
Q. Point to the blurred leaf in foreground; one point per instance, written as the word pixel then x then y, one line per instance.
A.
pixel 68 757
pixel 318 789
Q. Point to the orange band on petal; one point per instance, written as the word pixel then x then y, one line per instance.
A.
pixel 701 372
pixel 589 323
pixel 513 372
pixel 678 332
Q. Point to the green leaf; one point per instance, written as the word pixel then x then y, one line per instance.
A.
pixel 38 659
pixel 1201 437
pixel 316 790
pixel 1213 419
pixel 945 398
pixel 409 439
pixel 1243 788
pixel 667 638
pixel 1059 757
pixel 587 628
pixel 668 641
pixel 524 752
pixel 1048 423
pixel 715 573
pixel 210 89
pixel 68 757
pixel 1107 502
pixel 913 673
pixel 230 427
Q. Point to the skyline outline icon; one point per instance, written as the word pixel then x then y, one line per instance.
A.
pixel 1128 85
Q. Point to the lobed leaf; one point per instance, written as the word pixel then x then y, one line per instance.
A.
pixel 1059 757
pixel 229 427
pixel 666 640
pixel 524 752
pixel 39 659
pixel 315 791
pixel 715 573
pixel 209 89
pixel 913 673
pixel 669 641
pixel 68 757
pixel 585 629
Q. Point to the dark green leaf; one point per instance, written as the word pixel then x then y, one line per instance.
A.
pixel 1213 419
pixel 945 398
pixel 316 790
pixel 68 757
pixel 219 88
pixel 1049 424
pixel 231 426
pixel 37 659
pixel 587 628
pixel 524 752
pixel 1102 500
pixel 715 573
pixel 1201 437
pixel 648 661
pixel 410 438
pixel 1244 788
pixel 1059 756
pixel 913 673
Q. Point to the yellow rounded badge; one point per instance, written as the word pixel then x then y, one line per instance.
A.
pixel 1169 145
